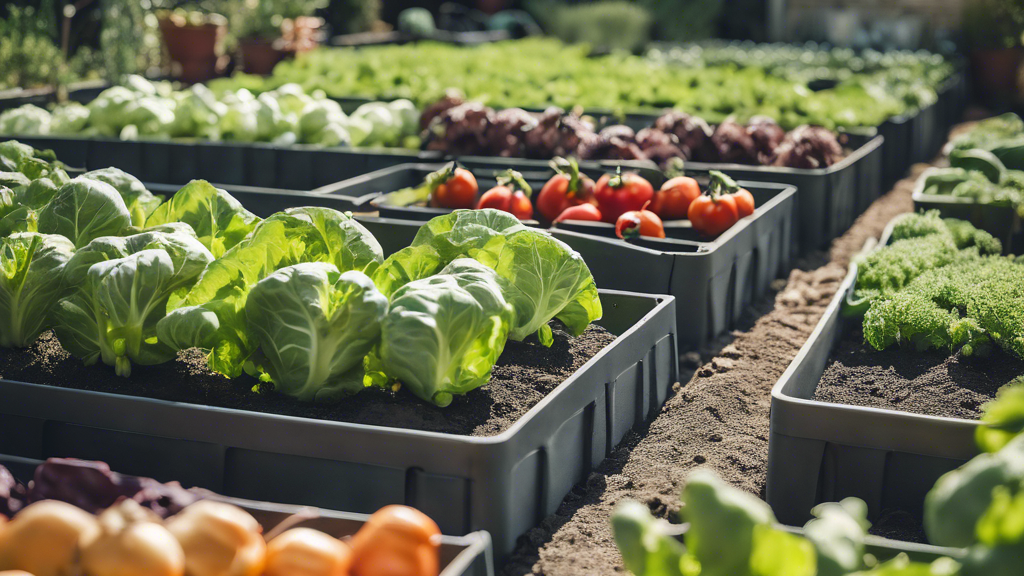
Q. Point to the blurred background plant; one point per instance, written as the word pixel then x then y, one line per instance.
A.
pixel 605 25
pixel 351 16
pixel 993 24
pixel 263 18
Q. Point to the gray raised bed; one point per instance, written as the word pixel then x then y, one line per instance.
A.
pixel 713 281
pixel 823 452
pixel 1001 221
pixel 828 199
pixel 264 201
pixel 468 555
pixel 504 484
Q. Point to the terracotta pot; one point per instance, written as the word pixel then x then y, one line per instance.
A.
pixel 995 71
pixel 259 56
pixel 195 48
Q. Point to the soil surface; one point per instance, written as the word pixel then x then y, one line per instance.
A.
pixel 524 374
pixel 717 419
pixel 932 383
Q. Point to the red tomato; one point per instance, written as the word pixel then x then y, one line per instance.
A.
pixel 512 194
pixel 453 189
pixel 396 541
pixel 503 198
pixel 565 189
pixel 744 202
pixel 581 212
pixel 713 214
pixel 639 222
pixel 673 199
pixel 621 193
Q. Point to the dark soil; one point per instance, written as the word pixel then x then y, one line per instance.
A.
pixel 932 383
pixel 523 376
pixel 716 419
pixel 899 525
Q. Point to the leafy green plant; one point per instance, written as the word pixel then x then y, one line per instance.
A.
pixel 219 220
pixel 139 201
pixel 84 209
pixel 263 18
pixel 989 24
pixel 351 16
pixel 547 279
pixel 443 334
pixel 122 286
pixel 607 24
pixel 314 326
pixel 31 282
pixel 212 315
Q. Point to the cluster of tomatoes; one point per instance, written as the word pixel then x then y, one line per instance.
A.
pixel 625 199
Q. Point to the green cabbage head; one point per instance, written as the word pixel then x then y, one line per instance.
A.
pixel 212 315
pixel 122 286
pixel 314 325
pixel 443 334
pixel 31 270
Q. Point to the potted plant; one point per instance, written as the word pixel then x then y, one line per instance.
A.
pixel 194 39
pixel 270 29
pixel 992 33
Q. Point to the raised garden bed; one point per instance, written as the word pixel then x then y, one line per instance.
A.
pixel 264 201
pixel 821 451
pixel 713 281
pixel 1001 221
pixel 79 92
pixel 468 555
pixel 504 483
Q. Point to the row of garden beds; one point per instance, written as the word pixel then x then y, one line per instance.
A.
pixel 884 426
pixel 499 475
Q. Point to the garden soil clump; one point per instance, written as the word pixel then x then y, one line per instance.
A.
pixel 932 383
pixel 523 376
pixel 717 419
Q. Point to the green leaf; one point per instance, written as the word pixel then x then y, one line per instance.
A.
pixel 722 522
pixel 551 281
pixel 777 553
pixel 1002 419
pixel 212 314
pixel 837 533
pixel 113 316
pixel 219 220
pixel 443 334
pixel 31 270
pixel 959 498
pixel 314 326
pixel 139 201
pixel 408 264
pixel 648 548
pixel 85 209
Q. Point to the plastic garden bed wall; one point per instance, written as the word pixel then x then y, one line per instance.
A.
pixel 468 555
pixel 504 484
pixel 712 281
pixel 396 37
pixel 823 452
pixel 265 201
pixel 1003 222
pixel 79 92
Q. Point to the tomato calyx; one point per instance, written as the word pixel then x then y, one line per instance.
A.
pixel 617 181
pixel 514 181
pixel 720 185
pixel 569 168
pixel 442 176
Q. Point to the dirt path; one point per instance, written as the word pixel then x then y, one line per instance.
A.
pixel 719 419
